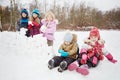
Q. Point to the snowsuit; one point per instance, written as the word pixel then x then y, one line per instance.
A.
pixel 90 55
pixel 49 31
pixel 63 62
pixel 93 51
pixel 34 28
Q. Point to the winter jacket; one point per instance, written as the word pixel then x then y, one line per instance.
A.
pixel 94 48
pixel 22 23
pixel 34 28
pixel 72 48
pixel 50 30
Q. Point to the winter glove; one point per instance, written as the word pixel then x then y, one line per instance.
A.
pixel 110 58
pixel 64 54
pixel 84 59
pixel 60 51
pixel 95 60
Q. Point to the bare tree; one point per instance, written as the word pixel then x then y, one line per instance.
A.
pixel 0 25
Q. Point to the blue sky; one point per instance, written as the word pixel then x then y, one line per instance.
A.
pixel 103 5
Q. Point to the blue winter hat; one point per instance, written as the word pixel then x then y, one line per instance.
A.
pixel 68 37
pixel 37 12
pixel 24 11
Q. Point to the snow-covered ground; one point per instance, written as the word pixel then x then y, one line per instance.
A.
pixel 24 58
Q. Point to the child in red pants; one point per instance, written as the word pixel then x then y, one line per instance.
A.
pixel 91 53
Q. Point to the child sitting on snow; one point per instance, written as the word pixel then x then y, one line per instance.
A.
pixel 68 53
pixel 35 24
pixel 91 53
pixel 48 29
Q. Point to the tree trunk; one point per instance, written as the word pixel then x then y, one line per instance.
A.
pixel 0 25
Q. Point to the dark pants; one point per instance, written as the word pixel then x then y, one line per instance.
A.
pixel 59 59
pixel 89 62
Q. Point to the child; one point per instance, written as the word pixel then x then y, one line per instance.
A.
pixel 68 53
pixel 23 22
pixel 48 29
pixel 91 53
pixel 35 24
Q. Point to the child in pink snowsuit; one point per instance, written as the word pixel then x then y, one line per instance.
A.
pixel 91 53
pixel 48 29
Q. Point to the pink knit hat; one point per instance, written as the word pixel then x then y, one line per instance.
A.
pixel 94 32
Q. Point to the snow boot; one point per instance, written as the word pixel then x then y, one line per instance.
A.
pixel 63 66
pixel 73 66
pixel 51 64
pixel 83 70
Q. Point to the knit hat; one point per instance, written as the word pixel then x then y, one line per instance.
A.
pixel 68 37
pixel 24 11
pixel 94 32
pixel 37 12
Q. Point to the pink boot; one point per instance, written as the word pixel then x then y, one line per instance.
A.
pixel 83 70
pixel 110 58
pixel 73 66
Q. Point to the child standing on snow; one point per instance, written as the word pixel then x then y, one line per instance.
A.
pixel 68 53
pixel 35 24
pixel 48 29
pixel 91 53
pixel 23 22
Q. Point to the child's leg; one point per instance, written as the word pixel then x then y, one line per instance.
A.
pixel 65 63
pixel 108 56
pixel 93 61
pixel 55 61
pixel 50 48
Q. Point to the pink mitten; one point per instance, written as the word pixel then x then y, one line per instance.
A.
pixel 95 60
pixel 84 59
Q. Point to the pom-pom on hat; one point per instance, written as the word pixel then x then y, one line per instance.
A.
pixel 94 32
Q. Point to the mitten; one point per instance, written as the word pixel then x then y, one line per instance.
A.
pixel 95 60
pixel 84 59
pixel 60 51
pixel 64 54
pixel 110 58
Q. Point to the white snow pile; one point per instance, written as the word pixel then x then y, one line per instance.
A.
pixel 23 58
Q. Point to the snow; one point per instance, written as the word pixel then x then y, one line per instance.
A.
pixel 23 58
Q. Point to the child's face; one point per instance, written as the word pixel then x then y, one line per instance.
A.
pixel 35 15
pixel 67 43
pixel 24 15
pixel 49 18
pixel 94 38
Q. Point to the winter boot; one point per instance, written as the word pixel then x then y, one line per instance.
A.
pixel 51 64
pixel 73 66
pixel 110 58
pixel 63 66
pixel 83 70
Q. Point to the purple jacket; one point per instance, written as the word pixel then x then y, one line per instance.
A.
pixel 51 28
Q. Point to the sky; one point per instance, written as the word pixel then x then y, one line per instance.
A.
pixel 103 5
